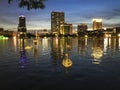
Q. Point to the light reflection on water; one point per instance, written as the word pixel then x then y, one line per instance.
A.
pixel 96 59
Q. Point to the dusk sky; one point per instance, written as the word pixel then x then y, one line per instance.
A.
pixel 76 12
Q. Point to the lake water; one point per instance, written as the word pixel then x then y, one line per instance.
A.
pixel 95 64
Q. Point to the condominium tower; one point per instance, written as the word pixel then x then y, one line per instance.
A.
pixel 22 26
pixel 82 28
pixel 97 24
pixel 57 20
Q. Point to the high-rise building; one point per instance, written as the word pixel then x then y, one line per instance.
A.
pixel 22 21
pixel 22 26
pixel 57 20
pixel 82 28
pixel 1 29
pixel 97 24
pixel 68 29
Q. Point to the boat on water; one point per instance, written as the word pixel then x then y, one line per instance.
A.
pixel 28 47
pixel 36 41
pixel 66 61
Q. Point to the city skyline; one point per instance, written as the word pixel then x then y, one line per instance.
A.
pixel 76 12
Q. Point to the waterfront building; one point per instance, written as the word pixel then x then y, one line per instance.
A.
pixel 22 27
pixel 97 24
pixel 1 31
pixel 7 33
pixel 68 28
pixel 117 30
pixel 82 28
pixel 57 20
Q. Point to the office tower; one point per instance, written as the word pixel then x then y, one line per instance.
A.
pixel 97 24
pixel 68 29
pixel 82 28
pixel 22 26
pixel 57 20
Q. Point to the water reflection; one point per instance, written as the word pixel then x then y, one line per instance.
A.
pixel 23 58
pixel 119 43
pixel 93 48
pixel 22 52
pixel 107 45
pixel 111 44
pixel 45 44
pixel 60 48
pixel 15 42
pixel 51 72
pixel 103 51
pixel 21 43
pixel 97 54
pixel 82 44
pixel 55 51
pixel 97 50
pixel 36 55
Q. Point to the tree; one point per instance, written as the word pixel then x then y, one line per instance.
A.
pixel 30 4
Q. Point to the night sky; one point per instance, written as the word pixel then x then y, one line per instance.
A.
pixel 76 11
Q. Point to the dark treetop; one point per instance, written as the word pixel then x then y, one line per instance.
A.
pixel 30 4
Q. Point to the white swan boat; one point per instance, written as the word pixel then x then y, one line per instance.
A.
pixel 66 61
pixel 28 47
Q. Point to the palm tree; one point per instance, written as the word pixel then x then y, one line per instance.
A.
pixel 30 4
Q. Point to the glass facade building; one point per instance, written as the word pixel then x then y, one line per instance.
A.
pixel 97 24
pixel 57 20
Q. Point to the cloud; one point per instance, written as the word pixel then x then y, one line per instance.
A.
pixel 7 20
pixel 111 14
pixel 111 25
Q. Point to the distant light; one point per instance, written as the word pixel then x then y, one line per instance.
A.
pixel 97 53
pixel 97 20
pixel 14 37
pixel 105 28
pixel 119 35
pixel 3 37
pixel 86 36
pixel 21 16
pixel 107 35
